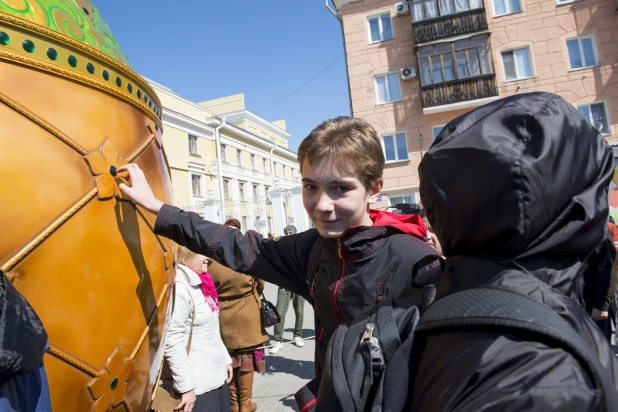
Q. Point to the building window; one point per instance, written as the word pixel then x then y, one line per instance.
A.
pixel 196 185
pixel 252 162
pixel 238 157
pixel 565 1
pixel 457 60
pixel 244 223
pixel 265 166
pixel 401 199
pixel 241 191
pixel 395 147
pixel 517 64
pixel 380 28
pixel 192 144
pixel 596 113
pixel 430 9
pixel 226 189
pixel 502 7
pixel 285 175
pixel 255 193
pixel 266 192
pixel 275 167
pixel 436 130
pixel 387 88
pixel 223 157
pixel 582 52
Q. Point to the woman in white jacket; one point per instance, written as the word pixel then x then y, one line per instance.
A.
pixel 200 375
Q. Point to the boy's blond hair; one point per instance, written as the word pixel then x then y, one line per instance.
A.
pixel 354 142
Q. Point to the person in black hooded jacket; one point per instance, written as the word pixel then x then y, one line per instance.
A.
pixel 23 342
pixel 516 192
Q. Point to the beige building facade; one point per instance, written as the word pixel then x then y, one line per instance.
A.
pixel 414 66
pixel 227 162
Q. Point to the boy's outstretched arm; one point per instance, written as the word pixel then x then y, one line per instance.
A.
pixel 282 262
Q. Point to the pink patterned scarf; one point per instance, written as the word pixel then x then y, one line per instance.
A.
pixel 208 289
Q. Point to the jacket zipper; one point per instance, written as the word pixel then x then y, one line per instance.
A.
pixel 315 275
pixel 340 253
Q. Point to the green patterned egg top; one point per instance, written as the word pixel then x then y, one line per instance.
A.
pixel 78 19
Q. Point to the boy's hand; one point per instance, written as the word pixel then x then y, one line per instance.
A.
pixel 139 191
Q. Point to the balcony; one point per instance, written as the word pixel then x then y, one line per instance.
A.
pixel 459 91
pixel 449 25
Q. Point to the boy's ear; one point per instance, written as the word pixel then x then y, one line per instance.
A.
pixel 374 191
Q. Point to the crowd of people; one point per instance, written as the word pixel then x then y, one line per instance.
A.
pixel 515 213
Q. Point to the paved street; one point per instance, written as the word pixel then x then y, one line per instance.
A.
pixel 289 369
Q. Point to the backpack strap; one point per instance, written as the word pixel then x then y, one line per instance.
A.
pixel 490 306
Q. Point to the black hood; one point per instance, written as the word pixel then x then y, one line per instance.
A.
pixel 522 180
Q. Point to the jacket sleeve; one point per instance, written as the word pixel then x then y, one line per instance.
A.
pixel 226 355
pixel 177 339
pixel 282 261
pixel 603 259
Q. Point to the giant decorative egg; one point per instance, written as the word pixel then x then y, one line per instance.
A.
pixel 71 113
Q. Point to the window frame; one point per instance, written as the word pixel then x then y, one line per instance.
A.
pixel 602 103
pixel 558 2
pixel 439 9
pixel 190 137
pixel 239 158
pixel 264 164
pixel 507 6
pixel 199 186
pixel 222 148
pixel 241 191
pixel 433 128
pixel 515 65
pixel 275 169
pixel 252 159
pixel 392 204
pixel 226 189
pixel 254 188
pixel 595 51
pixel 455 61
pixel 396 149
pixel 375 88
pixel 379 17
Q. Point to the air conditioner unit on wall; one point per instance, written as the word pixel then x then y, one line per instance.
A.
pixel 408 73
pixel 402 8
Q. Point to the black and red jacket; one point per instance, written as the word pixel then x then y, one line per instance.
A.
pixel 367 265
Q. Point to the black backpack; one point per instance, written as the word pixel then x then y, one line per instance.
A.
pixel 368 362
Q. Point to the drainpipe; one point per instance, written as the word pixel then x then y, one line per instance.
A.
pixel 345 52
pixel 219 168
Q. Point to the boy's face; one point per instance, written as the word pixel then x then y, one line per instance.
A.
pixel 335 199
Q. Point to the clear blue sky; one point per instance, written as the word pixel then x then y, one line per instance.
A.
pixel 266 49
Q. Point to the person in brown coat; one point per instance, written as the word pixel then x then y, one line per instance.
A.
pixel 242 328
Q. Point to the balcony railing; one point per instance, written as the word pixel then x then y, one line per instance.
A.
pixel 450 25
pixel 458 91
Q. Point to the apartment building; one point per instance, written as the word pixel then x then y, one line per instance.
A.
pixel 414 66
pixel 231 164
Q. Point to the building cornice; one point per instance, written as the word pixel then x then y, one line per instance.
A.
pixel 259 140
pixel 175 119
pixel 247 115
